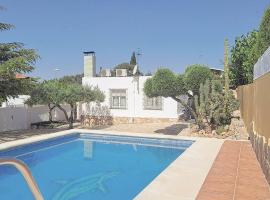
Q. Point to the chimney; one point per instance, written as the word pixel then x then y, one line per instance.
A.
pixel 89 64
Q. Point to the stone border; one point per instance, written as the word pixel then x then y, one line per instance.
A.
pixel 261 148
pixel 183 178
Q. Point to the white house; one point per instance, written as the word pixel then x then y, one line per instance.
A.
pixel 125 96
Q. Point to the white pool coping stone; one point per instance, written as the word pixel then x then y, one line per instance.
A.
pixel 182 179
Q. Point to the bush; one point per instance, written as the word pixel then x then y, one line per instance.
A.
pixel 212 108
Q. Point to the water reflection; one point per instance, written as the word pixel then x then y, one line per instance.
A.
pixel 88 149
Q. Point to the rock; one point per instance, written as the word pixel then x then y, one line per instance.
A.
pixel 236 114
pixel 214 132
pixel 194 128
pixel 202 132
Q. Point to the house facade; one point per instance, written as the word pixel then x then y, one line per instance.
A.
pixel 124 95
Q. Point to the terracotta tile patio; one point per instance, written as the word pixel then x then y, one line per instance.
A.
pixel 235 175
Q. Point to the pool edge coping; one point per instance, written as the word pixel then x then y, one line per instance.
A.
pixel 189 162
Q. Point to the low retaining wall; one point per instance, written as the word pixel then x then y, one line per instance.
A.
pixel 261 147
pixel 139 120
pixel 92 121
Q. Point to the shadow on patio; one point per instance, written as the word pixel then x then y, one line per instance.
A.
pixel 174 129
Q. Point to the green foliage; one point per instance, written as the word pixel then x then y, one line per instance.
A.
pixel 15 59
pixel 72 79
pixel 210 106
pixel 165 83
pixel 54 93
pixel 195 75
pixel 263 41
pixel 127 66
pixel 243 58
pixel 133 60
pixel 247 50
pixel 5 26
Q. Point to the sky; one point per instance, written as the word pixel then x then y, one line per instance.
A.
pixel 169 33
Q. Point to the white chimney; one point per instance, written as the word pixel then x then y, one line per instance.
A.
pixel 89 64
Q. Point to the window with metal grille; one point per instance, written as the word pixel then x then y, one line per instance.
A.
pixel 118 98
pixel 154 103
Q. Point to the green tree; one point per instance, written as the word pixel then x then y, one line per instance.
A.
pixel 127 66
pixel 14 59
pixel 46 93
pixel 72 79
pixel 167 84
pixel 54 93
pixel 263 41
pixel 195 75
pixel 243 58
pixel 133 60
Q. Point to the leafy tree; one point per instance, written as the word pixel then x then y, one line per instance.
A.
pixel 54 93
pixel 195 75
pixel 133 60
pixel 77 79
pixel 243 58
pixel 127 66
pixel 167 84
pixel 46 93
pixel 263 41
pixel 14 59
pixel 72 79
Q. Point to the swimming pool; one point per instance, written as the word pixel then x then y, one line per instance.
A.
pixel 89 166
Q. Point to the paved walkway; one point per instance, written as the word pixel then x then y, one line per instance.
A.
pixel 166 128
pixel 235 175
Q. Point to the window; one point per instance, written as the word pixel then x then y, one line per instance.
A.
pixel 118 98
pixel 154 103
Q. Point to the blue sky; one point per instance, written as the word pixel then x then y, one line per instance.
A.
pixel 171 33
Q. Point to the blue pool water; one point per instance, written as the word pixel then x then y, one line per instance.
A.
pixel 87 166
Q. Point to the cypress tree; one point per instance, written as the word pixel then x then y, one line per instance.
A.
pixel 133 60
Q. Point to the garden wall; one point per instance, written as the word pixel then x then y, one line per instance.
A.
pixel 255 111
pixel 19 118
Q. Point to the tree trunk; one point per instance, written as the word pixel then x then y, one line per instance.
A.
pixel 71 116
pixel 75 112
pixel 187 107
pixel 64 111
pixel 50 112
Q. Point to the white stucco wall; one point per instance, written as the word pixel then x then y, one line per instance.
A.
pixel 19 118
pixel 15 102
pixel 135 98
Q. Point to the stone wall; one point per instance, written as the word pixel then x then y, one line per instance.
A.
pixel 139 120
pixel 261 147
pixel 93 121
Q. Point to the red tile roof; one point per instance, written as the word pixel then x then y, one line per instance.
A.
pixel 21 76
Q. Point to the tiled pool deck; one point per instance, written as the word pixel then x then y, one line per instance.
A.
pixel 236 175
pixel 210 169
